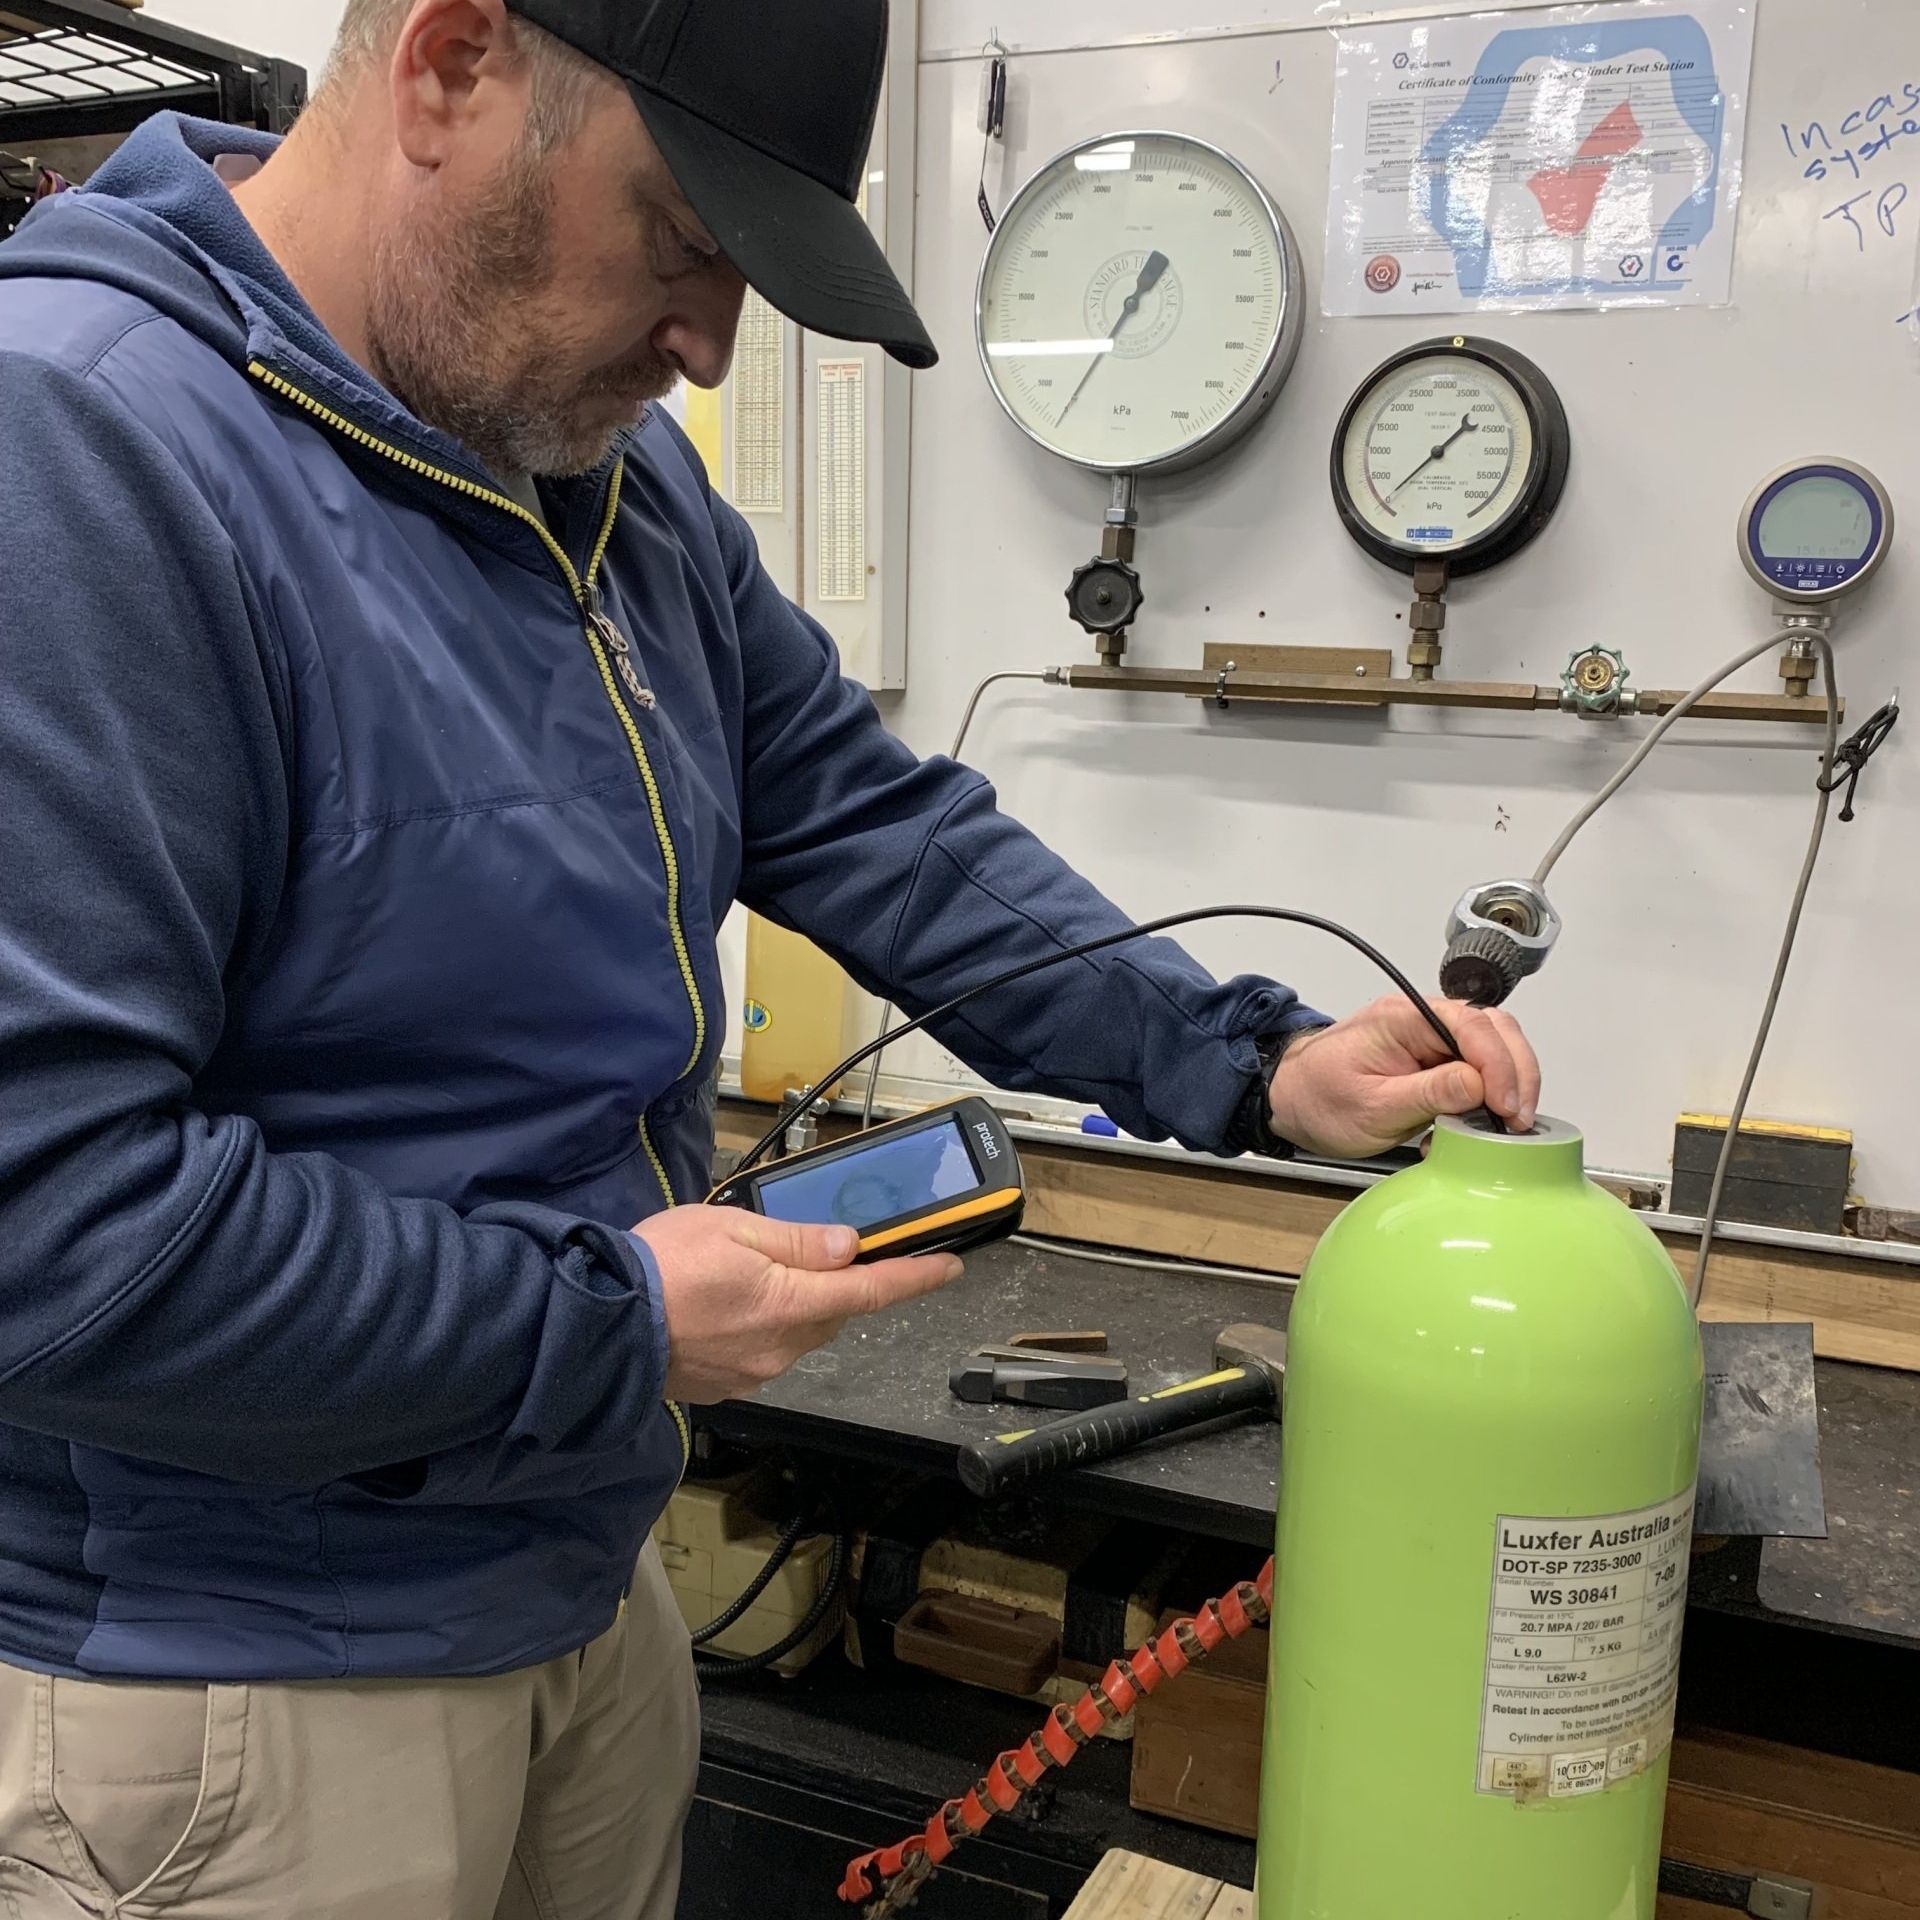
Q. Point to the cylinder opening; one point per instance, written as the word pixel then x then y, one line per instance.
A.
pixel 1484 1125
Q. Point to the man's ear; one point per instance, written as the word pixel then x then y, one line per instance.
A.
pixel 448 61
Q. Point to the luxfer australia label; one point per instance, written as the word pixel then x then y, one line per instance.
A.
pixel 1583 1649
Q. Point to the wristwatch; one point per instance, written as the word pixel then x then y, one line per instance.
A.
pixel 1252 1128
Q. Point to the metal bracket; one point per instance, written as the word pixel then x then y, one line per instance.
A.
pixel 1775 1898
pixel 1220 684
pixel 1766 1896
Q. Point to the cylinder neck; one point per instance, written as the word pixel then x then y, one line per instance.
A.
pixel 1551 1154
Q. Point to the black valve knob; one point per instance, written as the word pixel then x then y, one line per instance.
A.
pixel 1482 968
pixel 1104 596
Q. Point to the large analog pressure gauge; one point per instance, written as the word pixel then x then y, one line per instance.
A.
pixel 1140 303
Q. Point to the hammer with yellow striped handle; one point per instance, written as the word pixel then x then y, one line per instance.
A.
pixel 1250 1365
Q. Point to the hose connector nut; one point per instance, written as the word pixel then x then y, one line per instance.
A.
pixel 1497 935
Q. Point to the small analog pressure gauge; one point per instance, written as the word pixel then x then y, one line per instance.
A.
pixel 1454 450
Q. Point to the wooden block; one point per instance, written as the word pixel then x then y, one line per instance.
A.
pixel 1196 1742
pixel 1861 1310
pixel 1129 1886
pixel 1781 1175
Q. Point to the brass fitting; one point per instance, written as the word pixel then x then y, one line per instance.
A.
pixel 1426 619
pixel 1796 669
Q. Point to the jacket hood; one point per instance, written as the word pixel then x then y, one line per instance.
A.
pixel 157 222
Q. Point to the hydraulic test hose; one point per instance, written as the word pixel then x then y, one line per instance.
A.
pixel 1696 1287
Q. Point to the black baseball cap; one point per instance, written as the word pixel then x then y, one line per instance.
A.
pixel 764 111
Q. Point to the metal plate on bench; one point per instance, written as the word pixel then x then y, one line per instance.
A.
pixel 1760 1442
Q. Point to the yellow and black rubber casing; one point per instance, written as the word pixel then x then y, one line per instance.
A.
pixel 940 1182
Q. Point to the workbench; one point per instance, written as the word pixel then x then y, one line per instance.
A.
pixel 1815 1643
pixel 880 1393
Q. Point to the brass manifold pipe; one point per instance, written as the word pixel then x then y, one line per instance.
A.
pixel 1338 690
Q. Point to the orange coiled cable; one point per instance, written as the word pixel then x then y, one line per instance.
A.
pixel 1066 1730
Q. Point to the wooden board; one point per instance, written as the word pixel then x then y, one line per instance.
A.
pixel 1733 1803
pixel 1852 1830
pixel 1863 1310
pixel 1128 1886
pixel 1816 1783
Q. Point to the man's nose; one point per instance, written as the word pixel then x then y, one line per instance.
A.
pixel 699 331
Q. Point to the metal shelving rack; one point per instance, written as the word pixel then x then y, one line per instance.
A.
pixel 79 69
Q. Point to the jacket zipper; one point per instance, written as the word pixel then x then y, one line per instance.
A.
pixel 612 657
pixel 613 646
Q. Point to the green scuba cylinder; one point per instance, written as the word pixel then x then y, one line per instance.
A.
pixel 1488 1457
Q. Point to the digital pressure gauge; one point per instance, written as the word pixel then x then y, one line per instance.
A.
pixel 1140 303
pixel 1454 450
pixel 1816 530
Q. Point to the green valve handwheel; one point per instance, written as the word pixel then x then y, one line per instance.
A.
pixel 1490 1444
pixel 1596 679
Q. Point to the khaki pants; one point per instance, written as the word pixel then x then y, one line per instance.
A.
pixel 557 1793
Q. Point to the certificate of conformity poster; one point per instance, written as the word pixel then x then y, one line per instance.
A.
pixel 1589 157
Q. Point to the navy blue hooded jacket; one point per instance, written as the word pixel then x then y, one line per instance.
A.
pixel 358 985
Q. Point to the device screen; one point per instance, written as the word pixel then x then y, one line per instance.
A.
pixel 883 1181
pixel 1819 518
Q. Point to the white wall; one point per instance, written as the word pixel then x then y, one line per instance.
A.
pixel 1674 900
pixel 1673 903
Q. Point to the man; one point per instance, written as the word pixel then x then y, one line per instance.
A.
pixel 391 714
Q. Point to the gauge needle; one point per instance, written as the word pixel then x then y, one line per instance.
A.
pixel 1467 425
pixel 1150 272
